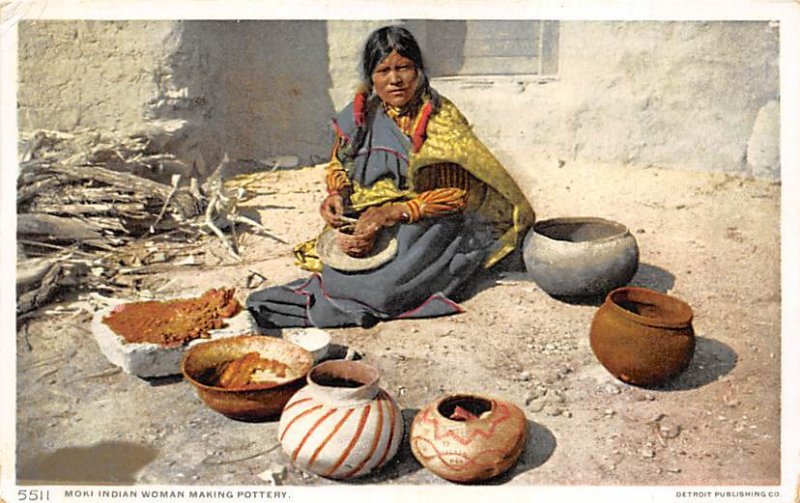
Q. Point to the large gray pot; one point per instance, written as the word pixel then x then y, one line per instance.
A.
pixel 580 256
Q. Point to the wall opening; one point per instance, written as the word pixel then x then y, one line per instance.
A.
pixel 456 48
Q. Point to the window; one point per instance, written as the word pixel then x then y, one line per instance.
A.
pixel 489 47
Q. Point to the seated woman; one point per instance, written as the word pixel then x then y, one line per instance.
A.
pixel 405 161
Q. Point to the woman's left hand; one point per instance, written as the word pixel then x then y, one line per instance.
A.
pixel 379 216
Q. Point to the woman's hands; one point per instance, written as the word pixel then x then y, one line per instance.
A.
pixel 376 217
pixel 332 210
pixel 369 222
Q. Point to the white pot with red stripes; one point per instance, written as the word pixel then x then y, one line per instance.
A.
pixel 342 424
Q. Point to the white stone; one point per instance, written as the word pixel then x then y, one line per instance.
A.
pixel 314 340
pixel 763 146
pixel 153 360
pixel 282 161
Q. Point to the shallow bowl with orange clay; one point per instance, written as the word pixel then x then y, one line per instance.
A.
pixel 256 401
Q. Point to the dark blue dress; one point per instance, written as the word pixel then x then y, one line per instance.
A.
pixel 435 256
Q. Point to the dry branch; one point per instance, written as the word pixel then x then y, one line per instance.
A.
pixel 31 271
pixel 50 227
pixel 182 201
pixel 57 274
pixel 37 187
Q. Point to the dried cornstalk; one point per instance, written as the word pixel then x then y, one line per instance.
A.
pixel 51 227
pixel 182 201
pixel 33 293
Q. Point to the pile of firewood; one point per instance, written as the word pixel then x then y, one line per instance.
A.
pixel 69 191
pixel 90 208
pixel 81 196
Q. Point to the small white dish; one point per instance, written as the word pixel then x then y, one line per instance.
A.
pixel 314 340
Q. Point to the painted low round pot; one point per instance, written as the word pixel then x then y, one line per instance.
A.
pixel 580 256
pixel 468 438
pixel 341 424
pixel 643 337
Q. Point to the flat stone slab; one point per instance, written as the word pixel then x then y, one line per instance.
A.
pixel 154 360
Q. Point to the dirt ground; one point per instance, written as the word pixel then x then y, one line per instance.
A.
pixel 710 239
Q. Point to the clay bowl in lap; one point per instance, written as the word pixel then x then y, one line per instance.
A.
pixel 643 337
pixel 254 402
pixel 580 256
pixel 354 245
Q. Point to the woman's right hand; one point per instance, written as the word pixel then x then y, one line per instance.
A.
pixel 332 209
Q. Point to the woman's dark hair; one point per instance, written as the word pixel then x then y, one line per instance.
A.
pixel 382 42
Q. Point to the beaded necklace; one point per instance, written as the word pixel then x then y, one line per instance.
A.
pixel 403 116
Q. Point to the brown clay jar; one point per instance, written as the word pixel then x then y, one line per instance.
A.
pixel 468 438
pixel 643 337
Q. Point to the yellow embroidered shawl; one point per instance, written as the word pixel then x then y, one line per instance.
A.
pixel 449 139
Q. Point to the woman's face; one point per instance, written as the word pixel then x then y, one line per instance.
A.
pixel 395 79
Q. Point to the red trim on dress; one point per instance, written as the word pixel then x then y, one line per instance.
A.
pixel 418 138
pixel 435 296
pixel 384 149
pixel 300 291
pixel 359 109
pixel 338 129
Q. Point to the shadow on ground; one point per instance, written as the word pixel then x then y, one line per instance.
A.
pixel 654 278
pixel 647 276
pixel 114 463
pixel 541 445
pixel 163 380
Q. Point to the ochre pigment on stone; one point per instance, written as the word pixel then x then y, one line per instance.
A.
pixel 173 323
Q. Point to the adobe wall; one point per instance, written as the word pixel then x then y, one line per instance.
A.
pixel 700 96
pixel 685 95
pixel 91 74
